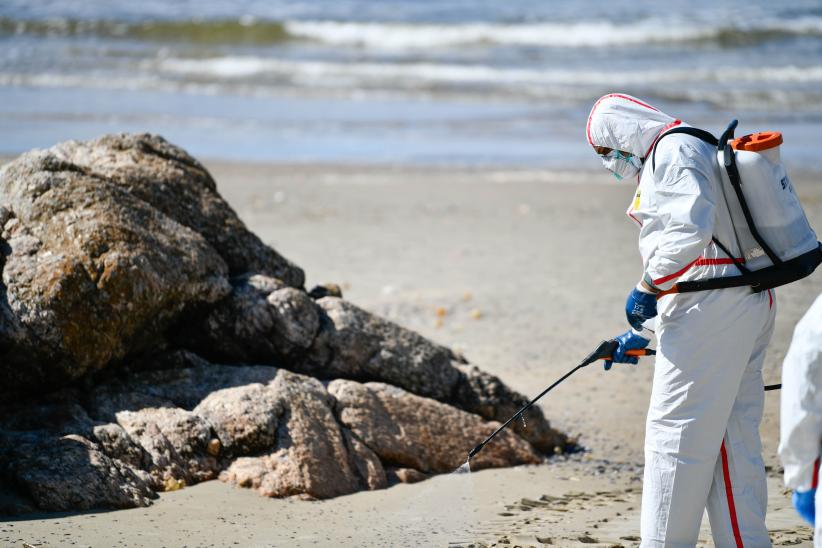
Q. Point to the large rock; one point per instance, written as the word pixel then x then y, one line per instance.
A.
pixel 358 345
pixel 310 457
pixel 410 431
pixel 123 233
pixel 166 177
pixel 355 344
pixel 175 439
pixel 262 321
pixel 245 418
pixel 91 274
pixel 70 473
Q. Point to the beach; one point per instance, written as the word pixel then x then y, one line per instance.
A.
pixel 429 159
pixel 524 272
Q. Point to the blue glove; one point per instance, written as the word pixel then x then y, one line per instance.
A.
pixel 627 341
pixel 639 307
pixel 803 501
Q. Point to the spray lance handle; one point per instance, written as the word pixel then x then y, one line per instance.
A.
pixel 606 349
pixel 639 352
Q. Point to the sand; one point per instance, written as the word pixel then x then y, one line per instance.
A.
pixel 531 269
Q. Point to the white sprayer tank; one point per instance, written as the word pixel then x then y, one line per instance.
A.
pixel 771 199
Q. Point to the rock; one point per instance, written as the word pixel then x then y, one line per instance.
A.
pixel 325 290
pixel 410 431
pixel 247 472
pixel 239 328
pixel 406 475
pixel 166 177
pixel 366 463
pixel 117 444
pixel 260 322
pixel 310 457
pixel 70 473
pixel 176 441
pixel 296 319
pixel 245 418
pixel 91 274
pixel 355 344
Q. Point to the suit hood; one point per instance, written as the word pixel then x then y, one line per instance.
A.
pixel 625 123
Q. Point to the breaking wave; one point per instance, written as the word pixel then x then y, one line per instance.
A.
pixel 236 67
pixel 762 87
pixel 584 34
pixel 396 36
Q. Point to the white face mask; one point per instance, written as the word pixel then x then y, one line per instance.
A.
pixel 621 165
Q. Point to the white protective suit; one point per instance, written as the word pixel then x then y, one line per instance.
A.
pixel 801 412
pixel 702 444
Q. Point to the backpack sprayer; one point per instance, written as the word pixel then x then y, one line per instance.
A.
pixel 773 236
pixel 604 351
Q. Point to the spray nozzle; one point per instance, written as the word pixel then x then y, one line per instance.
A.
pixel 476 450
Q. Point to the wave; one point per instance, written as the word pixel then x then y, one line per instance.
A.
pixel 271 78
pixel 420 36
pixel 586 34
pixel 244 67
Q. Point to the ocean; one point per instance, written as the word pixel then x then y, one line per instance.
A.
pixel 422 82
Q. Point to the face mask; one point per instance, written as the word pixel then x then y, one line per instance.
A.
pixel 621 165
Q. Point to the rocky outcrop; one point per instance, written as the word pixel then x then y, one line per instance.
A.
pixel 168 345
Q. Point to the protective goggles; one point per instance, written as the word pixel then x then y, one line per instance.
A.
pixel 621 164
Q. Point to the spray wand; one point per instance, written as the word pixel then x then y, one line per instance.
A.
pixel 604 351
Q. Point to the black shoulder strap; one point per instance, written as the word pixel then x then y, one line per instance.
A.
pixel 695 132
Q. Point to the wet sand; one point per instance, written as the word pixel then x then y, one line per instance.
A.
pixel 531 270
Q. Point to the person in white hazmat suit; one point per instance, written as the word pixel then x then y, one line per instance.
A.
pixel 702 446
pixel 801 416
